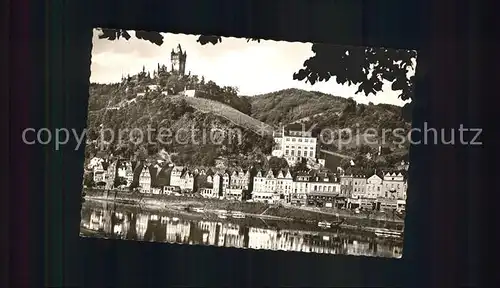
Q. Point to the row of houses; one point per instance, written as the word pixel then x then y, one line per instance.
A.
pixel 270 186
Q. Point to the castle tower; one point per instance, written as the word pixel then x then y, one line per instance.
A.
pixel 178 60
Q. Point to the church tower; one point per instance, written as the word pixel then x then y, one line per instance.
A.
pixel 178 60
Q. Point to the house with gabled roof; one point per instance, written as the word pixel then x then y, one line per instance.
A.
pixel 218 184
pixel 111 174
pixel 187 181
pixel 99 173
pixel 162 181
pixel 205 185
pixel 239 184
pixel 145 180
pixel 129 173
pixel 394 186
pixel 265 186
pixel 284 185
pixel 176 174
pixel 374 187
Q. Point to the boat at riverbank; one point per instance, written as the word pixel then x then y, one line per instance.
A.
pixel 383 232
pixel 238 215
pixel 324 224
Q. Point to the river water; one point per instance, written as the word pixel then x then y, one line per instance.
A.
pixel 111 220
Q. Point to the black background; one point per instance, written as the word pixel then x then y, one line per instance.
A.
pixel 49 68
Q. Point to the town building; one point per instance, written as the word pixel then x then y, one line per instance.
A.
pixel 346 185
pixel 239 182
pixel 295 144
pixel 358 186
pixel 217 186
pixel 225 182
pixel 300 188
pixel 204 184
pixel 394 186
pixel 187 182
pixel 129 174
pixel 110 175
pixel 99 173
pixel 176 174
pixel 323 190
pixel 373 187
pixel 145 180
pixel 284 185
pixel 265 187
pixel 122 170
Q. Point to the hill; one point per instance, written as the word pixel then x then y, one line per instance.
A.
pixel 194 136
pixel 229 113
pixel 143 101
pixel 289 105
pixel 326 112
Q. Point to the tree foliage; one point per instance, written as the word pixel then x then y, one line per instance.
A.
pixel 365 67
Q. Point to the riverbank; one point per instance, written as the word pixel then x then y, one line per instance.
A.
pixel 181 204
pixel 157 216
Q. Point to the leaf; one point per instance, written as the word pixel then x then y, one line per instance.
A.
pixel 153 37
pixel 125 34
pixel 110 34
pixel 209 39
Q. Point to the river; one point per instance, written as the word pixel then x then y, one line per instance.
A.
pixel 118 221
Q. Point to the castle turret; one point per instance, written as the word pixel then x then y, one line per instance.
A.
pixel 178 59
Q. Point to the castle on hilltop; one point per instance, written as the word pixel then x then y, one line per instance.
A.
pixel 178 60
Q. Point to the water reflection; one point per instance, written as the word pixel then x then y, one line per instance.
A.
pixel 125 223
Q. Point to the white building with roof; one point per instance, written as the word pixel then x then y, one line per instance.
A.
pixel 145 180
pixel 374 187
pixel 394 186
pixel 295 145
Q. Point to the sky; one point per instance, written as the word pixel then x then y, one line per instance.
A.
pixel 254 68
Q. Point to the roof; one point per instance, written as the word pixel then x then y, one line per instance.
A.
pixel 210 172
pixel 201 182
pixel 163 177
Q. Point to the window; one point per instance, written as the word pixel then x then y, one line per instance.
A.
pixel 286 152
pixel 378 188
pixel 306 140
pixel 287 139
pixel 311 154
pixel 298 153
pixel 293 153
pixel 293 139
pixel 299 140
